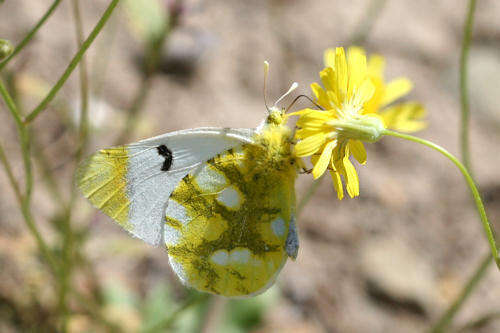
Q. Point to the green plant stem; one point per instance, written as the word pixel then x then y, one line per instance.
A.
pixel 444 322
pixel 167 322
pixel 74 62
pixel 477 324
pixel 470 183
pixel 10 175
pixel 464 94
pixel 84 86
pixel 365 26
pixel 308 195
pixel 31 34
pixel 446 319
pixel 51 182
pixel 68 246
pixel 26 197
pixel 95 313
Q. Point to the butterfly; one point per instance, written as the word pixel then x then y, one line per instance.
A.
pixel 222 201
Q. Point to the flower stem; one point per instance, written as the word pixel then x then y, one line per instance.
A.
pixel 470 183
pixel 168 321
pixel 365 25
pixel 471 284
pixel 31 34
pixel 446 319
pixel 10 175
pixel 74 62
pixel 464 96
pixel 308 195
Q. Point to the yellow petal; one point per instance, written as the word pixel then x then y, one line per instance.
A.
pixel 396 89
pixel 341 72
pixel 321 96
pixel 305 132
pixel 376 66
pixel 364 92
pixel 351 178
pixel 329 58
pixel 405 117
pixel 309 145
pixel 314 118
pixel 373 105
pixel 337 184
pixel 356 62
pixel 324 159
pixel 327 77
pixel 314 159
pixel 357 149
pixel 301 112
pixel 338 155
pixel 334 100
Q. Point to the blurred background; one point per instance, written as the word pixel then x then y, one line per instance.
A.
pixel 390 260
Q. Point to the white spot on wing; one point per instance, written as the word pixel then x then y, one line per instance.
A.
pixel 172 235
pixel 210 180
pixel 220 257
pixel 177 212
pixel 230 197
pixel 240 255
pixel 278 226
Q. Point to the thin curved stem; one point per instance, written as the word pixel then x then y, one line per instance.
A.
pixel 366 24
pixel 68 243
pixel 74 62
pixel 470 183
pixel 26 197
pixel 168 321
pixel 10 175
pixel 308 195
pixel 31 34
pixel 464 94
pixel 479 323
pixel 445 320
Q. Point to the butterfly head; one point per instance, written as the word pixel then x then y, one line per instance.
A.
pixel 276 116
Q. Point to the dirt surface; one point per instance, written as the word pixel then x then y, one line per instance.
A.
pixel 388 261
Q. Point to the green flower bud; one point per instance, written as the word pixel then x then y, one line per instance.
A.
pixel 6 48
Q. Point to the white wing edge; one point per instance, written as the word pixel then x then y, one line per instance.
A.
pixel 245 135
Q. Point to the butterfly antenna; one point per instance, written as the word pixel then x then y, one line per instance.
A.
pixel 308 98
pixel 292 88
pixel 266 71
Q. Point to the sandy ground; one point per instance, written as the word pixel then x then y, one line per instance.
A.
pixel 390 260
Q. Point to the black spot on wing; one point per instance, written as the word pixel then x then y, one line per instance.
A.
pixel 167 154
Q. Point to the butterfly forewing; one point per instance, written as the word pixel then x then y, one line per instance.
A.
pixel 132 184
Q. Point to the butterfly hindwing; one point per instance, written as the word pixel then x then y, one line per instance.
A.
pixel 230 222
pixel 132 183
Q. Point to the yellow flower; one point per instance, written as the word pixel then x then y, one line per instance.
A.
pixel 404 117
pixel 353 94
